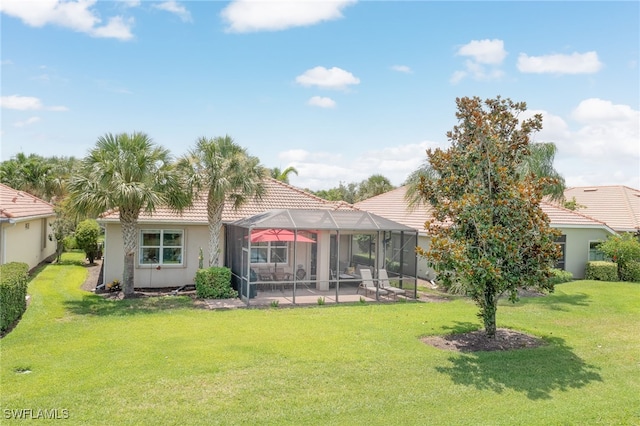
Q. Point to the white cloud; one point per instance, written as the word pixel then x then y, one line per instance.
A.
pixel 28 121
pixel 322 170
pixel 484 60
pixel 117 27
pixel 75 15
pixel 597 144
pixel 576 63
pixel 333 78
pixel 26 103
pixel 321 102
pixel 175 7
pixel 21 103
pixel 484 51
pixel 402 68
pixel 259 15
pixel 6 62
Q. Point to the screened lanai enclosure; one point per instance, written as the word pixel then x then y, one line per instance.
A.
pixel 321 256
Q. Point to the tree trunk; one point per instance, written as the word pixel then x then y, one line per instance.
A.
pixel 129 222
pixel 489 312
pixel 214 217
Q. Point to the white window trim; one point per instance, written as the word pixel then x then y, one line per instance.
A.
pixel 161 261
pixel 269 247
pixel 589 248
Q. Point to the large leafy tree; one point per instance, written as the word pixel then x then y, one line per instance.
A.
pixel 224 170
pixel 283 175
pixel 374 185
pixel 130 173
pixel 488 230
pixel 45 178
pixel 539 163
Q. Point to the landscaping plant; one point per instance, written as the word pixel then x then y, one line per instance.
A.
pixel 488 226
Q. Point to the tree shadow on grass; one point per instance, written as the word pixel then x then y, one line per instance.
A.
pixel 557 301
pixel 100 306
pixel 535 372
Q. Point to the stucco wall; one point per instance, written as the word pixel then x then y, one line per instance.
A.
pixel 577 247
pixel 24 240
pixel 576 250
pixel 195 236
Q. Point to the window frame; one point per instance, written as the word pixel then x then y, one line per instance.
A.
pixel 562 262
pixel 595 251
pixel 161 247
pixel 270 247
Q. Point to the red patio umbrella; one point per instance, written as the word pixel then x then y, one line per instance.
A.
pixel 264 235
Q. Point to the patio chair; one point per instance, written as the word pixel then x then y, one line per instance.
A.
pixel 265 274
pixel 368 285
pixel 385 284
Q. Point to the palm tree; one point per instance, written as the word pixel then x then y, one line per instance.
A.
pixel 539 163
pixel 283 175
pixel 130 173
pixel 226 171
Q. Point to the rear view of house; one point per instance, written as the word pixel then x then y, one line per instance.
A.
pixel 25 231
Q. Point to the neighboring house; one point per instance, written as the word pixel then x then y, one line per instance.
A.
pixel 170 243
pixel 580 233
pixel 617 206
pixel 25 228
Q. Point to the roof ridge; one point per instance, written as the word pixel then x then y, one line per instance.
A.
pixel 629 206
pixel 299 190
pixel 573 211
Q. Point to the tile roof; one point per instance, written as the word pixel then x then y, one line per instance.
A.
pixel 278 195
pixel 618 206
pixel 392 205
pixel 16 204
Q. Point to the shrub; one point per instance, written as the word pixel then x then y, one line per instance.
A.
pixel 558 276
pixel 622 249
pixel 601 271
pixel 631 272
pixel 214 283
pixel 87 234
pixel 13 292
pixel 70 243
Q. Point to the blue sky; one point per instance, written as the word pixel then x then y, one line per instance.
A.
pixel 338 89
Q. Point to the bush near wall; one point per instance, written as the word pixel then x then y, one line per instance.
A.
pixel 558 276
pixel 13 292
pixel 214 283
pixel 630 271
pixel 601 271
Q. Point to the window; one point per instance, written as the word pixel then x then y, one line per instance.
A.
pixel 594 253
pixel 270 252
pixel 562 242
pixel 161 247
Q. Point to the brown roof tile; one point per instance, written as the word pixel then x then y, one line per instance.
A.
pixel 392 205
pixel 278 195
pixel 617 206
pixel 16 204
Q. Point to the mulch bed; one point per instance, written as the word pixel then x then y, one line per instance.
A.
pixel 475 341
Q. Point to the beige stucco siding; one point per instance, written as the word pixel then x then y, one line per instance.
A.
pixel 27 241
pixel 577 247
pixel 195 236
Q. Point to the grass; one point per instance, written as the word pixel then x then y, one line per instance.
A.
pixel 160 361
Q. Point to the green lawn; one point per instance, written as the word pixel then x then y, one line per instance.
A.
pixel 160 361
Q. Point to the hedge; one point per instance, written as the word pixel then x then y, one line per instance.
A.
pixel 630 271
pixel 13 292
pixel 214 283
pixel 558 276
pixel 601 271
